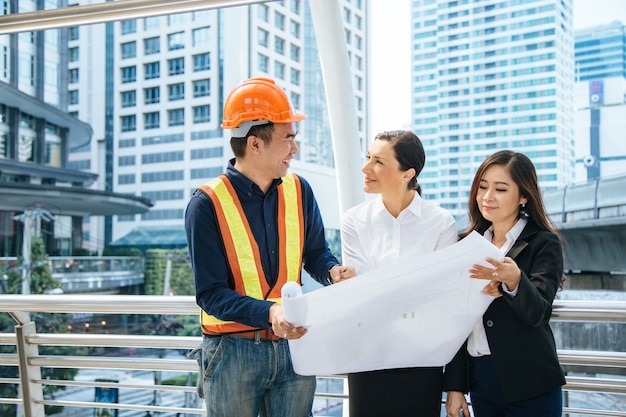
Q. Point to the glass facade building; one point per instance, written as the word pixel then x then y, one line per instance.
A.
pixel 169 78
pixel 489 76
pixel 601 52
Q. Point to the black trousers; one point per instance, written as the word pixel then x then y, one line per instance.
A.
pixel 405 392
pixel 488 398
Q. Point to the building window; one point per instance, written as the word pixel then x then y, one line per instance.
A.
pixel 202 62
pixel 127 160
pixel 129 123
pixel 176 91
pixel 279 20
pixel 295 29
pixel 263 63
pixel 163 214
pixel 129 50
pixel 129 98
pixel 74 33
pixel 205 172
pixel 73 76
pixel 279 45
pixel 202 114
pixel 176 117
pixel 279 70
pixel 129 74
pixel 152 120
pixel 4 64
pixel 295 53
pixel 263 12
pixel 295 76
pixel 176 19
pixel 200 36
pixel 176 66
pixel 295 100
pixel 295 6
pixel 129 26
pixel 152 45
pixel 150 23
pixel 202 88
pixel 126 143
pixel 176 41
pixel 126 179
pixel 263 37
pixel 152 95
pixel 73 97
pixel 152 70
pixel 74 54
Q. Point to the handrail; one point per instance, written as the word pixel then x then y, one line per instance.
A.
pixel 563 310
pixel 19 306
pixel 107 12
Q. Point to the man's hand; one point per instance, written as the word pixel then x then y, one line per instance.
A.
pixel 340 273
pixel 282 327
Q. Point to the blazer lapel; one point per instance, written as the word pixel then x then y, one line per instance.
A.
pixel 522 241
pixel 517 248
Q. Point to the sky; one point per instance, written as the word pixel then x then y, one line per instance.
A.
pixel 391 53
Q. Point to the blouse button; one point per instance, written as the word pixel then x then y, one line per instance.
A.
pixel 489 323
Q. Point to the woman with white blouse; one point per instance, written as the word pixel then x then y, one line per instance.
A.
pixel 396 225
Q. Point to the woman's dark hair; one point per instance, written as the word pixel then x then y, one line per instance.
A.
pixel 524 175
pixel 238 145
pixel 409 153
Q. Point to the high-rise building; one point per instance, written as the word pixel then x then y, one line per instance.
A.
pixel 600 100
pixel 487 76
pixel 159 94
pixel 600 52
pixel 36 136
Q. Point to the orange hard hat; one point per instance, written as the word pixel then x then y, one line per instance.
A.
pixel 257 101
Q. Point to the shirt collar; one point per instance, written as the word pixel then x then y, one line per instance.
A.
pixel 243 183
pixel 511 236
pixel 414 207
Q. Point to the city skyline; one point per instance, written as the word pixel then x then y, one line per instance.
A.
pixel 391 55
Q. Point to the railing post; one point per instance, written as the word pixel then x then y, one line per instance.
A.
pixel 32 392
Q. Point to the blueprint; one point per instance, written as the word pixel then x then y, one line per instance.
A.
pixel 414 313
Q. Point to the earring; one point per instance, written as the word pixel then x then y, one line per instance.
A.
pixel 523 214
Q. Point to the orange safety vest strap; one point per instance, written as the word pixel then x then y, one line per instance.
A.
pixel 292 245
pixel 242 249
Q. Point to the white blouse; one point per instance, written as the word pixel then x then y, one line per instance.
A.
pixel 371 237
pixel 477 344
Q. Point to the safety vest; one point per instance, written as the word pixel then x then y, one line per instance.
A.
pixel 242 249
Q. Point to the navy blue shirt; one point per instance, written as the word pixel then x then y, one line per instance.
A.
pixel 214 280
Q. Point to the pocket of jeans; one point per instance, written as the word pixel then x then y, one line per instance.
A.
pixel 197 355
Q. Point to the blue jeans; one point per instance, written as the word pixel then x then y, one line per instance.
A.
pixel 250 378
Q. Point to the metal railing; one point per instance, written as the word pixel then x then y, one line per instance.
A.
pixel 30 362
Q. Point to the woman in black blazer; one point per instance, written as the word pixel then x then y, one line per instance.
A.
pixel 509 363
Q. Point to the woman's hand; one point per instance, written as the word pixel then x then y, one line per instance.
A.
pixel 505 272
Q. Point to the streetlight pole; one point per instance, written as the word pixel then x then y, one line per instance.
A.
pixel 28 220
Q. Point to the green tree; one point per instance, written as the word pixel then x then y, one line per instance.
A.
pixel 41 281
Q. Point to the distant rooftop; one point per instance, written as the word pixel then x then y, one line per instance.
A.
pixel 147 237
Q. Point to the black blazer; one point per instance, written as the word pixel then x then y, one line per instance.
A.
pixel 520 339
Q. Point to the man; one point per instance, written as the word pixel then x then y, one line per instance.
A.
pixel 249 232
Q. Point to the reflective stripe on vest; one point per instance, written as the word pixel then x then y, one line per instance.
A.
pixel 242 249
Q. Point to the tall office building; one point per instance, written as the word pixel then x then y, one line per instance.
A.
pixel 600 52
pixel 38 187
pixel 164 82
pixel 491 75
